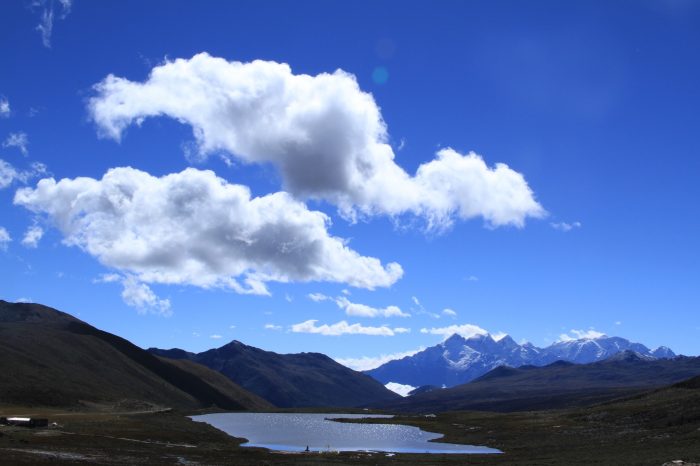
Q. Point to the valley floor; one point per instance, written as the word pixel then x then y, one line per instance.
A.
pixel 649 430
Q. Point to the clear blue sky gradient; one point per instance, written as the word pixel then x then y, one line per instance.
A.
pixel 595 102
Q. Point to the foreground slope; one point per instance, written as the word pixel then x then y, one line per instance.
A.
pixel 559 385
pixel 652 428
pixel 50 358
pixel 289 380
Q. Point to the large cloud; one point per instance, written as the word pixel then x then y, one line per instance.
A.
pixel 195 228
pixel 325 135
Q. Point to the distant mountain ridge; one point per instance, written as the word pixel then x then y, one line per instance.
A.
pixel 560 384
pixel 289 380
pixel 459 360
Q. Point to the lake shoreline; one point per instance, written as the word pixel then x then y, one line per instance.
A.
pixel 653 430
pixel 302 432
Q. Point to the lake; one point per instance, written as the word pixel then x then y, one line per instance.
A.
pixel 294 431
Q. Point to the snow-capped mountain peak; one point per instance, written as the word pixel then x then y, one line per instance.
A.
pixel 459 360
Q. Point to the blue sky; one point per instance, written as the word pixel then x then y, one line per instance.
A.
pixel 593 224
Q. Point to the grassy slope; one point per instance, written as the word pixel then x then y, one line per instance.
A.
pixel 52 359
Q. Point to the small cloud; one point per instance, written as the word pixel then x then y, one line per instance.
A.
pixel 449 312
pixel 343 328
pixel 18 140
pixel 273 327
pixel 231 327
pixel 24 300
pixel 401 389
pixel 472 278
pixel 46 19
pixel 5 239
pixel 402 144
pixel 107 278
pixel 618 323
pixel 137 294
pixel 9 174
pixel 4 108
pixel 589 334
pixel 215 337
pixel 317 297
pixel 288 298
pixel 32 236
pixel 195 334
pixel 419 309
pixel 363 310
pixel 366 363
pixel 564 226
pixel 346 292
pixel 498 336
pixel 465 330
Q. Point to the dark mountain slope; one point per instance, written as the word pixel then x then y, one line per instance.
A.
pixel 50 358
pixel 222 384
pixel 558 385
pixel 289 380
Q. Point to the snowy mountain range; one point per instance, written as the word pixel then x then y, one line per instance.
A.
pixel 460 360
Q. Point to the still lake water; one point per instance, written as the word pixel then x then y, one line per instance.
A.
pixel 294 431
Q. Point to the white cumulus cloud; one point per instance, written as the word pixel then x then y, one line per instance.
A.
pixel 589 334
pixel 323 133
pixel 366 363
pixel 137 294
pixel 18 140
pixel 195 228
pixel 363 310
pixel 564 226
pixel 32 236
pixel 140 296
pixel 5 239
pixel 4 107
pixel 343 328
pixel 9 174
pixel 465 330
pixel 318 297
